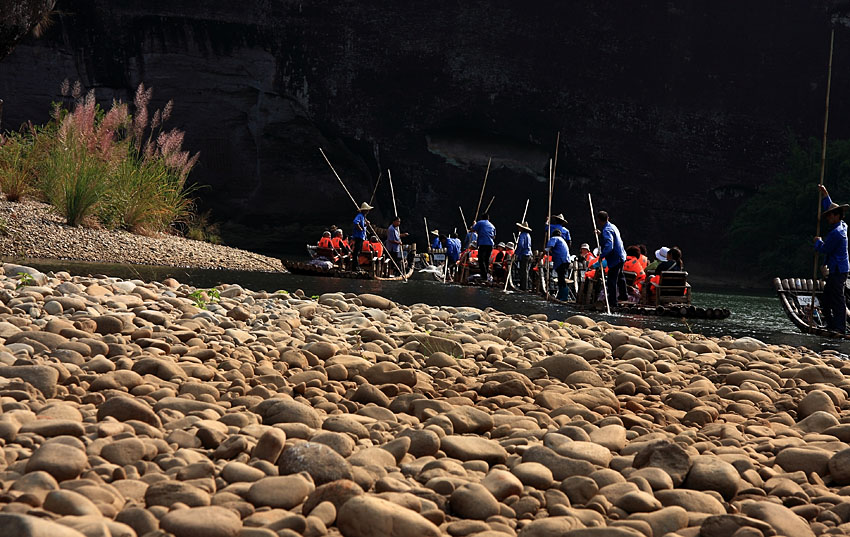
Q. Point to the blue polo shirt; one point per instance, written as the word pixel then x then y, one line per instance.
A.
pixel 453 248
pixel 834 245
pixel 486 232
pixel 436 244
pixel 359 233
pixel 523 245
pixel 559 250
pixel 565 233
pixel 612 245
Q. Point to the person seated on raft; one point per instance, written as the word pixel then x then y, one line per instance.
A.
pixel 326 241
pixel 660 257
pixel 593 265
pixel 633 265
pixel 497 259
pixel 673 263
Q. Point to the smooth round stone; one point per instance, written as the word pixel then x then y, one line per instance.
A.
pixel 270 445
pixel 123 452
pixel 59 460
pixel 68 502
pixel 284 492
pixel 534 474
pixel 369 516
pixel 321 462
pixel 473 501
pixel 234 472
pixel 21 525
pixel 167 493
pixel 213 521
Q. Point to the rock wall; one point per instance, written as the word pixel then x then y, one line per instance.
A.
pixel 670 113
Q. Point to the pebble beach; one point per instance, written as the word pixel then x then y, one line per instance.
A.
pixel 33 230
pixel 134 408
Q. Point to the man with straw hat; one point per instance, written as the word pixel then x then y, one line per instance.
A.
pixel 834 249
pixel 523 253
pixel 436 244
pixel 559 223
pixel 358 233
pixel 486 240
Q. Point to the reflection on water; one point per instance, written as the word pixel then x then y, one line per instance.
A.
pixel 755 316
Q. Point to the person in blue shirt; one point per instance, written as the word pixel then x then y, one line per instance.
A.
pixel 523 253
pixel 486 239
pixel 358 233
pixel 834 249
pixel 615 254
pixel 559 223
pixel 560 252
pixel 436 244
pixel 453 248
pixel 471 237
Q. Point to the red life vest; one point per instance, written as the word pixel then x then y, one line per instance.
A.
pixel 338 243
pixel 326 242
pixel 377 247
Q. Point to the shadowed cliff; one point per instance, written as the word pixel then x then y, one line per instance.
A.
pixel 670 113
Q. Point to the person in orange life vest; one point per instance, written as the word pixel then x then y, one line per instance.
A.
pixel 325 241
pixel 339 243
pixel 593 264
pixel 509 255
pixel 634 265
pixel 497 259
pixel 376 246
pixel 643 259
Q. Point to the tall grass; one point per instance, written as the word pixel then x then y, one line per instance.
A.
pixel 120 166
pixel 17 168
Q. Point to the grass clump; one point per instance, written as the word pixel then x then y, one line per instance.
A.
pixel 120 167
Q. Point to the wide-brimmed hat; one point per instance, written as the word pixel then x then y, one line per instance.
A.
pixel 559 217
pixel 836 207
pixel 511 246
pixel 365 207
pixel 584 246
pixel 523 226
pixel 500 245
pixel 436 232
pixel 661 253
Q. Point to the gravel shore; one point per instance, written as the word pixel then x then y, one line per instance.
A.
pixel 128 410
pixel 34 230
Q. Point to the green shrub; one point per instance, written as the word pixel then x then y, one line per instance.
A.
pixel 17 170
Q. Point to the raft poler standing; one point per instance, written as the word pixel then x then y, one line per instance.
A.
pixel 834 248
pixel 394 244
pixel 523 253
pixel 358 233
pixel 614 253
pixel 559 223
pixel 560 252
pixel 436 244
pixel 486 239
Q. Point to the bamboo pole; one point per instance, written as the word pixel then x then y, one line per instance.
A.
pixel 511 265
pixel 375 190
pixel 395 210
pixel 338 178
pixel 549 231
pixel 822 172
pixel 481 197
pixel 465 226
pixel 600 270
pixel 487 210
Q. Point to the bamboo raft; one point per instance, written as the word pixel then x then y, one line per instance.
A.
pixel 795 295
pixel 297 267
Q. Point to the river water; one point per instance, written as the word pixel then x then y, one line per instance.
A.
pixel 757 315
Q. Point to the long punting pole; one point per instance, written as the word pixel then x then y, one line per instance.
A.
pixel 481 197
pixel 428 236
pixel 375 190
pixel 511 264
pixel 487 210
pixel 395 210
pixel 822 171
pixel 338 178
pixel 466 227
pixel 599 247
pixel 549 231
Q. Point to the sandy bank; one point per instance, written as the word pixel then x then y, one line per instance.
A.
pixel 33 230
pixel 148 406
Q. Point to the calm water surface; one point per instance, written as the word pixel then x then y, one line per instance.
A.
pixel 754 315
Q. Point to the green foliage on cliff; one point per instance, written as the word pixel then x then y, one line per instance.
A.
pixel 772 233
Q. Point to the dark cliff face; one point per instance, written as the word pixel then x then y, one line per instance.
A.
pixel 670 113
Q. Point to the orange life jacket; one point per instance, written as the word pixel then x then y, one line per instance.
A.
pixel 644 261
pixel 377 247
pixel 633 264
pixel 326 242
pixel 338 243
